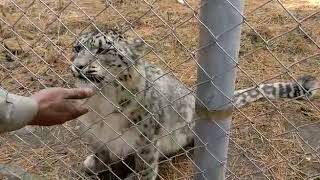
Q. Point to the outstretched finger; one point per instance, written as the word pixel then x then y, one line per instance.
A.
pixel 78 93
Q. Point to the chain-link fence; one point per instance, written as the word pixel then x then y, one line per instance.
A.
pixel 268 139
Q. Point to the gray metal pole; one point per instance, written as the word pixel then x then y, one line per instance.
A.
pixel 220 18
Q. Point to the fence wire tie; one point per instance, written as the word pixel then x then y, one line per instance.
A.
pixel 213 115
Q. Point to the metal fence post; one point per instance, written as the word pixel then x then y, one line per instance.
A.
pixel 220 43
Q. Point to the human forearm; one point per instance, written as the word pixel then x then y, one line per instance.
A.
pixel 16 111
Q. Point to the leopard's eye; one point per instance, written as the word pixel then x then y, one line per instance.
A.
pixel 77 48
pixel 100 50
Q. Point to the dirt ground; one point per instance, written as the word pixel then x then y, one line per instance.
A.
pixel 280 40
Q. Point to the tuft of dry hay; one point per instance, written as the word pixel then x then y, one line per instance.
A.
pixel 275 141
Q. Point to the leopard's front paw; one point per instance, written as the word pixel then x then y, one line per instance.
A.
pixel 90 164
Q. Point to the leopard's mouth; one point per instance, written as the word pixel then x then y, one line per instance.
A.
pixel 87 77
pixel 90 78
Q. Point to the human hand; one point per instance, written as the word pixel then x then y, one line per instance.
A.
pixel 59 105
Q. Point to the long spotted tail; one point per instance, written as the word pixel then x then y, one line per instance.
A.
pixel 305 86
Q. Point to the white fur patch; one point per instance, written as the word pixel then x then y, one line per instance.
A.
pixel 181 2
pixel 89 162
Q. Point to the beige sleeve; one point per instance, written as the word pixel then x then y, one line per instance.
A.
pixel 15 111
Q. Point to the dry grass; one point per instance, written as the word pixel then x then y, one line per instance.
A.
pixel 262 143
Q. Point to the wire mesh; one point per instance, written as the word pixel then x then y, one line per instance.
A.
pixel 269 139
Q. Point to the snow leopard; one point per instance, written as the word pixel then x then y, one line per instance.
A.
pixel 141 111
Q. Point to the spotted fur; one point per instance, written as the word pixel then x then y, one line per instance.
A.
pixel 140 110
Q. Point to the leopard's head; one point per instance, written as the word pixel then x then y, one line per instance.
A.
pixel 101 57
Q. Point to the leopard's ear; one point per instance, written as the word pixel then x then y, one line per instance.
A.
pixel 138 47
pixel 137 43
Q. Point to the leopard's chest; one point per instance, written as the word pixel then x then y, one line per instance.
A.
pixel 104 128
